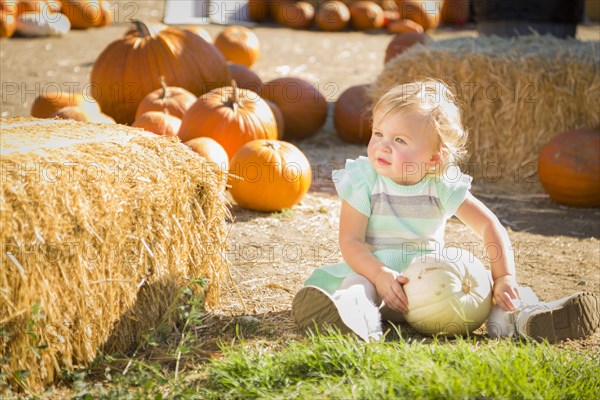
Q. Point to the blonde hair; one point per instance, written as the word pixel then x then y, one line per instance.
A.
pixel 435 100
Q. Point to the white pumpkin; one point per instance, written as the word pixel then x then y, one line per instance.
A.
pixel 41 24
pixel 448 293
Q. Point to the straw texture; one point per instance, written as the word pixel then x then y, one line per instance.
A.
pixel 515 94
pixel 101 224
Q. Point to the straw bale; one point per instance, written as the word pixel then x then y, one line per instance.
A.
pixel 101 226
pixel 515 94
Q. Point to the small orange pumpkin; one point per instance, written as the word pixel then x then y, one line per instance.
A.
pixel 239 45
pixel 455 12
pixel 8 22
pixel 211 150
pixel 269 175
pixel 231 116
pixel 171 99
pixel 569 168
pixel 298 15
pixel 352 115
pixel 366 15
pixel 303 106
pixel 403 41
pixel 77 113
pixel 259 10
pixel 404 26
pixel 46 104
pixel 83 14
pixel 420 12
pixel 158 122
pixel 108 14
pixel 332 15
pixel 245 77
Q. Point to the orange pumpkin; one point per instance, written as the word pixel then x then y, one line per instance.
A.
pixel 130 68
pixel 269 175
pixel 107 12
pixel 423 13
pixel 211 150
pixel 38 6
pixel 298 15
pixel 77 113
pixel 8 22
pixel 158 122
pixel 404 26
pixel 239 45
pixel 278 118
pixel 279 9
pixel 259 10
pixel 83 14
pixel 569 168
pixel 366 15
pixel 303 106
pixel 455 12
pixel 231 116
pixel 352 115
pixel 332 15
pixel 173 100
pixel 245 77
pixel 403 41
pixel 46 104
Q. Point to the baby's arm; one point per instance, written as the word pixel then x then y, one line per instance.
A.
pixel 353 228
pixel 497 243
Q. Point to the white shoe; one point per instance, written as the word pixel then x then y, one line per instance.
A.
pixel 571 317
pixel 349 310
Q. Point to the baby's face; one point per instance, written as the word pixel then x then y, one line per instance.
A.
pixel 401 148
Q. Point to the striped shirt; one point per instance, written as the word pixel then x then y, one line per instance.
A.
pixel 404 220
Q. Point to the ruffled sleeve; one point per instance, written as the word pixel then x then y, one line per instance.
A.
pixel 452 188
pixel 355 182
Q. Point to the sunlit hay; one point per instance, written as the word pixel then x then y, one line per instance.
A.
pixel 515 94
pixel 101 226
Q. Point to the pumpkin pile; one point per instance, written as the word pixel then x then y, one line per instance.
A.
pixel 39 18
pixel 337 15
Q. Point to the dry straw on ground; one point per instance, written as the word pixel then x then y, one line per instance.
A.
pixel 101 224
pixel 515 94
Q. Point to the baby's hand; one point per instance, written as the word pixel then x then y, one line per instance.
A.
pixel 505 291
pixel 389 286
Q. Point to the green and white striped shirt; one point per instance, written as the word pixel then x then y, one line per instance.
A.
pixel 404 220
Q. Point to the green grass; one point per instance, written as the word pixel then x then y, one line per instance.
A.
pixel 340 368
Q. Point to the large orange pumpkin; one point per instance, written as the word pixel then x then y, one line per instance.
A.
pixel 239 45
pixel 423 13
pixel 47 104
pixel 84 14
pixel 352 115
pixel 569 168
pixel 245 77
pixel 231 116
pixel 158 122
pixel 269 175
pixel 332 15
pixel 298 15
pixel 403 41
pixel 130 68
pixel 303 106
pixel 171 99
pixel 366 15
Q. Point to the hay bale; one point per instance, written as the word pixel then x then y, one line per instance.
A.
pixel 101 224
pixel 515 94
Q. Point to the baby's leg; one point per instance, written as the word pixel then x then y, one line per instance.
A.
pixel 351 308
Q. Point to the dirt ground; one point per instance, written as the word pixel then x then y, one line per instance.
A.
pixel 557 248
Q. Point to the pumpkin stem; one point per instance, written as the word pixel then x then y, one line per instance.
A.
pixel 233 100
pixel 272 145
pixel 163 83
pixel 141 28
